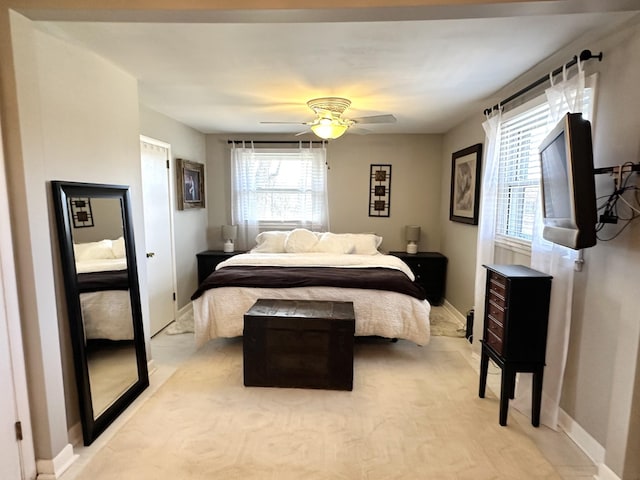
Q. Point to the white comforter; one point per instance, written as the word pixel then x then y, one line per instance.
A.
pixel 106 314
pixel 219 312
pixel 101 265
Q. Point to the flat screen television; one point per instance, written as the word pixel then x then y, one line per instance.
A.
pixel 569 209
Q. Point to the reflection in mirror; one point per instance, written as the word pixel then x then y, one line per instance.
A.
pixel 101 283
pixel 101 265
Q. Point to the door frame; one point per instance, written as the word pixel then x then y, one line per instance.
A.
pixel 11 319
pixel 170 204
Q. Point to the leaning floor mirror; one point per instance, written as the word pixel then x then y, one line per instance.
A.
pixel 103 299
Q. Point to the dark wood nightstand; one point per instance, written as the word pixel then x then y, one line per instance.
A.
pixel 430 270
pixel 209 260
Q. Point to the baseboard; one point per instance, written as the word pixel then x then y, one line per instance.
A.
pixel 605 473
pixel 453 311
pixel 581 438
pixel 54 468
pixel 75 434
pixel 187 309
pixel 587 444
pixel 151 367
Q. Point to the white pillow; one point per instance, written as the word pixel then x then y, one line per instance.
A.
pixel 334 243
pixel 119 250
pixel 365 243
pixel 300 240
pixel 270 242
pixel 94 250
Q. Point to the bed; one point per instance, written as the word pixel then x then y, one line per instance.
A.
pixel 297 266
pixel 103 284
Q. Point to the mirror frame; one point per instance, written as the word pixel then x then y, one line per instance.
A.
pixel 93 426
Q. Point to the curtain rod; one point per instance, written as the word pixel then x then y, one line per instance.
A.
pixel 278 142
pixel 584 55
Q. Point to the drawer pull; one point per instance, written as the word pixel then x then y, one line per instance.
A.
pixel 497 293
pixel 497 287
pixel 495 327
pixel 497 305
pixel 494 341
pixel 495 321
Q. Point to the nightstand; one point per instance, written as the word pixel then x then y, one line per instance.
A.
pixel 430 270
pixel 209 260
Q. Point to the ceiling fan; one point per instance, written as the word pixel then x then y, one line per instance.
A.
pixel 329 123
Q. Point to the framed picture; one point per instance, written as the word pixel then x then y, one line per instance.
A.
pixel 190 184
pixel 379 190
pixel 81 214
pixel 465 185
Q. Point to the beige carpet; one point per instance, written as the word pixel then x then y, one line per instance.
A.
pixel 443 323
pixel 414 413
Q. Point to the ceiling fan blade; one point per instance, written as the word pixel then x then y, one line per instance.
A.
pixel 286 123
pixel 375 119
pixel 359 131
pixel 302 133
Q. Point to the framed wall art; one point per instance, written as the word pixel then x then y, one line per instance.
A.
pixel 465 185
pixel 81 214
pixel 379 190
pixel 190 184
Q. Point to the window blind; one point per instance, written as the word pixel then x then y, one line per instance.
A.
pixel 519 169
pixel 519 172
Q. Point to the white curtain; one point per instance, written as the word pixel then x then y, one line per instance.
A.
pixel 558 261
pixel 254 170
pixel 488 203
pixel 244 211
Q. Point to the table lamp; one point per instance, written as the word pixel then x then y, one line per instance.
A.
pixel 412 232
pixel 229 234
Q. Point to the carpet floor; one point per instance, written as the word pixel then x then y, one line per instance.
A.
pixel 414 413
pixel 443 323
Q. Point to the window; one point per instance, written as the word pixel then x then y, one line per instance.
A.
pixel 280 188
pixel 519 172
pixel 522 131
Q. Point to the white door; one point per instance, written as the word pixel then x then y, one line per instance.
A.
pixel 17 457
pixel 158 232
pixel 9 449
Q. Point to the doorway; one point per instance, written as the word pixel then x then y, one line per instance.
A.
pixel 158 231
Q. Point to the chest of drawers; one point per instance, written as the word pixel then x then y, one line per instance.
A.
pixel 515 330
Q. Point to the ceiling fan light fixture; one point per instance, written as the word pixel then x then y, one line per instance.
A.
pixel 329 131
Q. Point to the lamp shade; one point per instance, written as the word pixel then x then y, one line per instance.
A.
pixel 229 232
pixel 329 130
pixel 412 232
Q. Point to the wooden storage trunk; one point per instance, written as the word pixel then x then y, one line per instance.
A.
pixel 299 343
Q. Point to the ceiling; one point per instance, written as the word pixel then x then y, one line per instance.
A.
pixel 227 77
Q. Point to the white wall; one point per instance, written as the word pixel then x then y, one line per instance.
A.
pixel 78 122
pixel 190 226
pixel 602 381
pixel 415 185
pixel 459 239
pixel 602 367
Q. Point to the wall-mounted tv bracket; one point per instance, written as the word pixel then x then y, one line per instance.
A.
pixel 610 215
pixel 618 169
